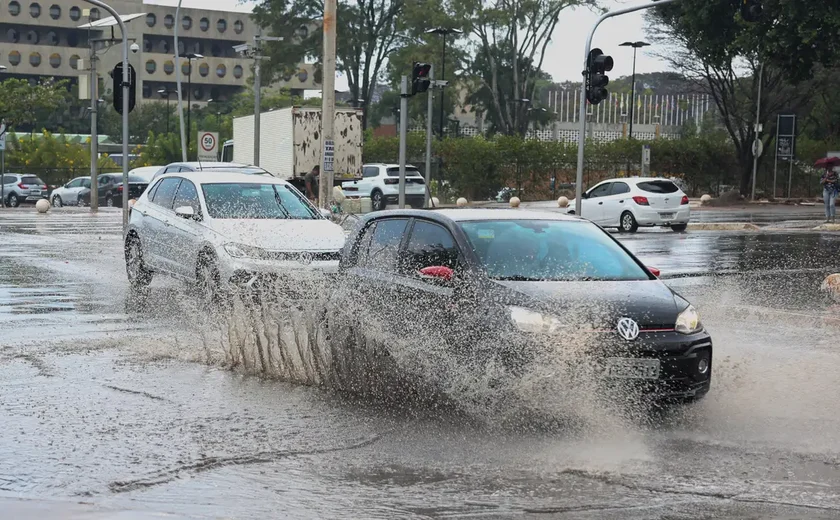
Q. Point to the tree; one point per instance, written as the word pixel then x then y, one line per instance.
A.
pixel 723 52
pixel 23 104
pixel 513 34
pixel 368 32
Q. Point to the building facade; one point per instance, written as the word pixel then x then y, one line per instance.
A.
pixel 54 38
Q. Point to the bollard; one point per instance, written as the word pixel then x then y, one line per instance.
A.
pixel 515 202
pixel 563 202
pixel 131 202
pixel 42 206
pixel 461 202
pixel 338 194
pixel 435 202
pixel 705 199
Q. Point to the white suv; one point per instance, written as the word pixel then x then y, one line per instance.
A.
pixel 631 202
pixel 381 182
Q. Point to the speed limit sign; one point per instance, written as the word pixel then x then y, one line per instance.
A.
pixel 208 146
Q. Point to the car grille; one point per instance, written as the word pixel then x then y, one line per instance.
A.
pixel 303 256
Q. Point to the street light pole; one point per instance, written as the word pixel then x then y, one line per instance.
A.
pixel 636 46
pixel 443 32
pixel 325 182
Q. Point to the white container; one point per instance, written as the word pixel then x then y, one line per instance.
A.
pixel 366 205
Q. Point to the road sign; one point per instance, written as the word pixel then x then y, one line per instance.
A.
pixel 208 146
pixel 646 154
pixel 2 135
pixel 329 154
pixel 757 148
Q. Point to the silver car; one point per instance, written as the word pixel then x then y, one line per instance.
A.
pixel 74 193
pixel 21 187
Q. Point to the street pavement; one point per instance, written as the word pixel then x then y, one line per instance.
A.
pixel 112 409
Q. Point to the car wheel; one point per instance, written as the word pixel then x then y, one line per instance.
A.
pixel 57 202
pixel 80 202
pixel 679 228
pixel 209 281
pixel 13 200
pixel 139 276
pixel 377 200
pixel 628 223
pixel 109 201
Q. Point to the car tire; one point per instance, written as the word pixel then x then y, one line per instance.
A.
pixel 139 276
pixel 79 202
pixel 208 280
pixel 57 202
pixel 377 200
pixel 679 228
pixel 13 200
pixel 109 201
pixel 627 223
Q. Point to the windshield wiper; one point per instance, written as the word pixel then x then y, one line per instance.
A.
pixel 518 278
pixel 286 213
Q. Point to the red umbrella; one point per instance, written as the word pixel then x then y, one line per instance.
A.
pixel 827 162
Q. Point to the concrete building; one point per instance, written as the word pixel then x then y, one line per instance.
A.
pixel 50 39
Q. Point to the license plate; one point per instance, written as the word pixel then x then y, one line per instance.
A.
pixel 623 368
pixel 34 192
pixel 666 215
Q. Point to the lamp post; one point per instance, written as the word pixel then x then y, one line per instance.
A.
pixel 164 92
pixel 635 45
pixel 444 32
pixel 190 56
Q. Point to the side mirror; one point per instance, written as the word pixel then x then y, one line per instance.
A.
pixel 654 271
pixel 186 212
pixel 437 272
pixel 584 195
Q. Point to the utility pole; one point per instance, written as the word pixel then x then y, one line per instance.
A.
pixel 429 110
pixel 325 182
pixel 257 100
pixel 94 133
pixel 403 135
pixel 757 144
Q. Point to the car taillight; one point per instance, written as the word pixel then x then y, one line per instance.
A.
pixel 45 187
pixel 392 181
pixel 684 200
pixel 119 189
pixel 23 186
pixel 641 201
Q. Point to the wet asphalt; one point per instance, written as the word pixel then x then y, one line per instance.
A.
pixel 113 410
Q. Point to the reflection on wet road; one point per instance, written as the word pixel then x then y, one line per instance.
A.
pixel 127 407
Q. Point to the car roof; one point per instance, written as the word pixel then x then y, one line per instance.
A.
pixel 145 169
pixel 388 165
pixel 636 179
pixel 207 164
pixel 222 176
pixel 473 214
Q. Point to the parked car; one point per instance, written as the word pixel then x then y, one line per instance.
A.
pixel 225 228
pixel 106 189
pixel 21 187
pixel 515 279
pixel 506 193
pixel 629 203
pixel 136 186
pixel 381 182
pixel 146 172
pixel 210 167
pixel 74 193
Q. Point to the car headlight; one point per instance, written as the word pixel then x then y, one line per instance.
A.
pixel 688 321
pixel 533 322
pixel 243 251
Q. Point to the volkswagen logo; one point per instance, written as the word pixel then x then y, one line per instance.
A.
pixel 305 258
pixel 628 329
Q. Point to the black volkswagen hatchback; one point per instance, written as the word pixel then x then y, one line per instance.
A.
pixel 520 278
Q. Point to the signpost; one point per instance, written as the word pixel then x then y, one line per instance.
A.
pixel 329 154
pixel 645 159
pixel 785 146
pixel 3 162
pixel 208 146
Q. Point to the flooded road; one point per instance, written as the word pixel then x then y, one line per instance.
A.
pixel 121 407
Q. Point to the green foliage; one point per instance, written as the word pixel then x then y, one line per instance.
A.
pixel 161 149
pixel 24 105
pixel 54 158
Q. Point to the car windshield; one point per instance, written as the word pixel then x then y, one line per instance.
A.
pixel 549 250
pixel 658 187
pixel 31 179
pixel 245 200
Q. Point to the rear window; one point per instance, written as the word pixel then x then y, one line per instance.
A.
pixel 136 179
pixel 658 187
pixel 31 179
pixel 409 172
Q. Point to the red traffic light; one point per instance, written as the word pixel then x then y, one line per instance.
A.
pixel 420 80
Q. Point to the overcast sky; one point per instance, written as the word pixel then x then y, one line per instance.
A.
pixel 564 56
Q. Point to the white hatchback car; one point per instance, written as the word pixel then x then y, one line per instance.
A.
pixel 381 182
pixel 221 229
pixel 631 202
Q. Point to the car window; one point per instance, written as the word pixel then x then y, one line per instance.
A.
pixel 31 180
pixel 658 187
pixel 9 179
pixel 409 172
pixel 537 250
pixel 172 169
pixel 152 190
pixel 381 254
pixel 86 183
pixel 619 187
pixel 254 200
pixel 429 245
pixel 75 183
pixel 370 171
pixel 165 193
pixel 600 191
pixel 187 195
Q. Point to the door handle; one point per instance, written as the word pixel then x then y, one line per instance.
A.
pixel 600 203
pixel 621 202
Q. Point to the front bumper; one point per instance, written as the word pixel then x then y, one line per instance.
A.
pixel 291 278
pixel 646 216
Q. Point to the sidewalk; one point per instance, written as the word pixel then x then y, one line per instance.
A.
pixel 53 509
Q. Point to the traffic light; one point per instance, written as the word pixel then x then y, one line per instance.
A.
pixel 420 78
pixel 117 76
pixel 596 81
pixel 751 10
